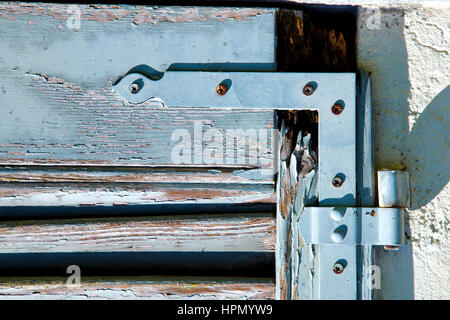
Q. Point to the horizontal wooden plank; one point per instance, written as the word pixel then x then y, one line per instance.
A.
pixel 135 175
pixel 129 186
pixel 250 232
pixel 50 123
pixel 56 85
pixel 88 195
pixel 137 288
pixel 111 40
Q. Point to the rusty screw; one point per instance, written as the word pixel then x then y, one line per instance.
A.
pixel 135 88
pixel 308 90
pixel 338 268
pixel 221 89
pixel 337 181
pixel 336 108
pixel 372 213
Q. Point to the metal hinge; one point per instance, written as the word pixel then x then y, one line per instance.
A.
pixel 342 233
pixel 346 225
pixel 382 225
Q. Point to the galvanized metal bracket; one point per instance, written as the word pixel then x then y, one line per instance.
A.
pixel 344 234
pixel 344 238
pixel 347 225
pixel 276 91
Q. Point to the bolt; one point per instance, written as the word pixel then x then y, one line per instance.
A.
pixel 338 268
pixel 308 90
pixel 337 181
pixel 337 108
pixel 135 88
pixel 221 89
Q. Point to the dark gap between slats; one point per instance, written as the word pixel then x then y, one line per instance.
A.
pixel 64 212
pixel 235 264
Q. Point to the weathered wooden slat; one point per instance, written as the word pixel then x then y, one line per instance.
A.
pixel 135 175
pixel 50 126
pixel 79 194
pixel 56 101
pixel 189 233
pixel 111 40
pixel 53 185
pixel 137 288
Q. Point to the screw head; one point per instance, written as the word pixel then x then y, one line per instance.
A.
pixel 221 89
pixel 337 181
pixel 308 90
pixel 338 268
pixel 135 88
pixel 337 108
pixel 372 213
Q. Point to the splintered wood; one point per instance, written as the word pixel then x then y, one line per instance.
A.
pixel 298 150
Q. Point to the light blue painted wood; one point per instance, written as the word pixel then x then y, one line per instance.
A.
pixel 56 103
pixel 365 172
pixel 366 186
pixel 112 40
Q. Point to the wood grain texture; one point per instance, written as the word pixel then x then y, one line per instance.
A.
pixel 56 101
pixel 130 174
pixel 316 40
pixel 189 233
pixel 296 188
pixel 113 39
pixel 118 195
pixel 66 140
pixel 137 288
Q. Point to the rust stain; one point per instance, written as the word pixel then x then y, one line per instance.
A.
pixel 283 282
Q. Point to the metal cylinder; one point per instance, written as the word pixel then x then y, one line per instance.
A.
pixel 393 188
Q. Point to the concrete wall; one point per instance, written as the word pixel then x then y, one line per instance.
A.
pixel 406 46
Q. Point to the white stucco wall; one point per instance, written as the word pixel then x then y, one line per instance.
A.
pixel 406 45
pixel 408 55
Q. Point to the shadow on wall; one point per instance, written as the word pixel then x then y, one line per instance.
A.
pixel 428 159
pixel 424 151
pixel 382 52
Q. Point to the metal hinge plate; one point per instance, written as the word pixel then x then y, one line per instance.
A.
pixel 347 225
